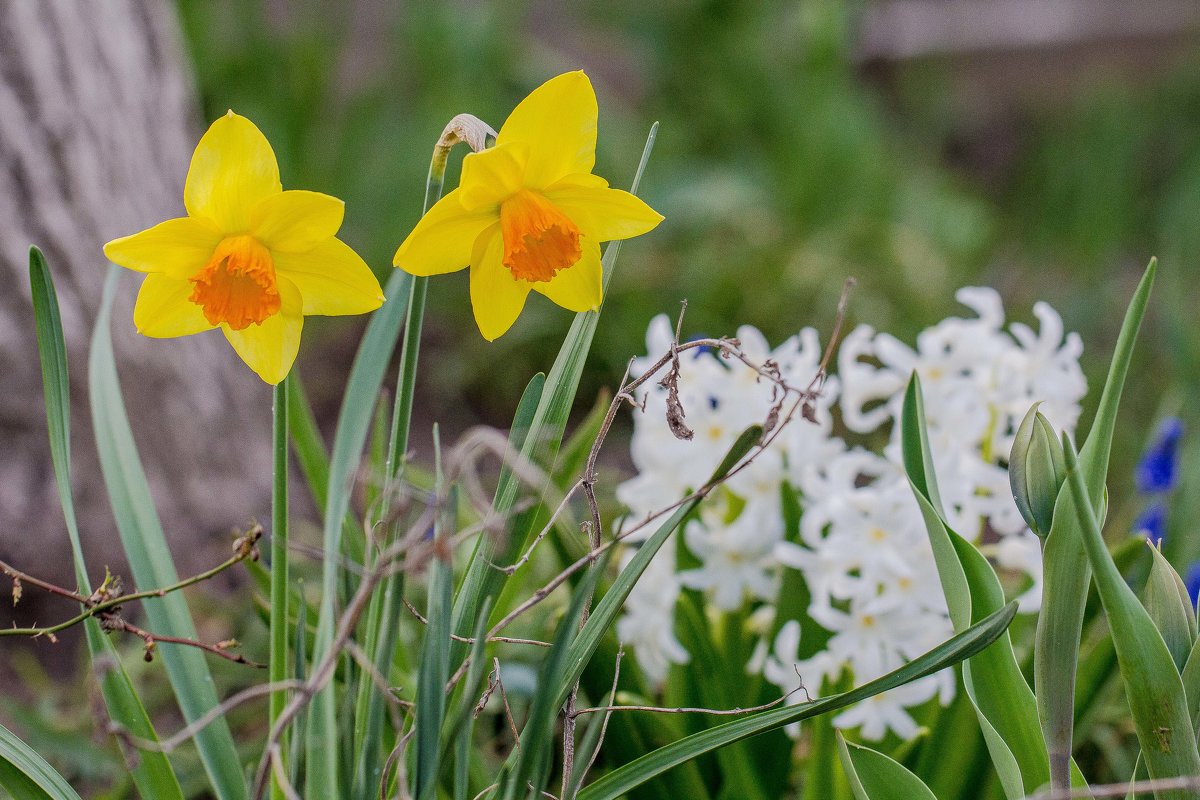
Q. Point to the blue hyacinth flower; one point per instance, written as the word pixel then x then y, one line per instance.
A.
pixel 1152 523
pixel 1159 468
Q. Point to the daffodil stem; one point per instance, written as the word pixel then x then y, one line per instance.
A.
pixel 279 561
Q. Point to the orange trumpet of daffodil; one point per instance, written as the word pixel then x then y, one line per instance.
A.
pixel 528 214
pixel 249 258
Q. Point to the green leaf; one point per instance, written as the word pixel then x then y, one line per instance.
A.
pixel 1066 575
pixel 26 775
pixel 637 772
pixel 151 771
pixel 459 733
pixel 358 404
pixel 1152 682
pixel 435 651
pixel 1004 702
pixel 874 776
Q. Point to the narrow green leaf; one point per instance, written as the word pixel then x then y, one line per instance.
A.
pixel 960 646
pixel 1152 683
pixel 151 771
pixel 874 776
pixel 26 775
pixel 300 672
pixel 466 694
pixel 435 651
pixel 1066 574
pixel 431 682
pixel 358 403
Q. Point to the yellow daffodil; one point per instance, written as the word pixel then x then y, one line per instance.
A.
pixel 529 213
pixel 249 258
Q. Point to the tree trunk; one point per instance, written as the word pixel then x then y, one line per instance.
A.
pixel 97 123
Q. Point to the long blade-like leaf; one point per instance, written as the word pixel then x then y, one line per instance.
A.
pixel 151 771
pixel 354 419
pixel 1152 682
pixel 1066 574
pixel 959 647
pixel 150 557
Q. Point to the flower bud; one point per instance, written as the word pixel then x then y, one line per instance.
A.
pixel 1036 471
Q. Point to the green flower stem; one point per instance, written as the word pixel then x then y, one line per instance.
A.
pixel 280 641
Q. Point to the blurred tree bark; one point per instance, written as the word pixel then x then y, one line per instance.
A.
pixel 97 122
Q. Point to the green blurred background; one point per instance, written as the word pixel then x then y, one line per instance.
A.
pixel 1045 148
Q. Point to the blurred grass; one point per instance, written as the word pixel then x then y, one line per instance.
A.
pixel 781 168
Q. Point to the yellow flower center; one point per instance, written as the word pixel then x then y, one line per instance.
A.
pixel 539 239
pixel 237 285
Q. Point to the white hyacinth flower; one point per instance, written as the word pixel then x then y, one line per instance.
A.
pixel 861 547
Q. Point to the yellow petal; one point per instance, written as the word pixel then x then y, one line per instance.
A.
pixel 496 296
pixel 178 247
pixel 603 213
pixel 232 171
pixel 442 240
pixel 577 288
pixel 492 176
pixel 332 279
pixel 163 310
pixel 296 220
pixel 270 348
pixel 558 122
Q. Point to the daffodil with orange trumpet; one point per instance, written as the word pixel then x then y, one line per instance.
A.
pixel 249 258
pixel 528 214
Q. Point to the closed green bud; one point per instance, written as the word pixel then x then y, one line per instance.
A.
pixel 1036 471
